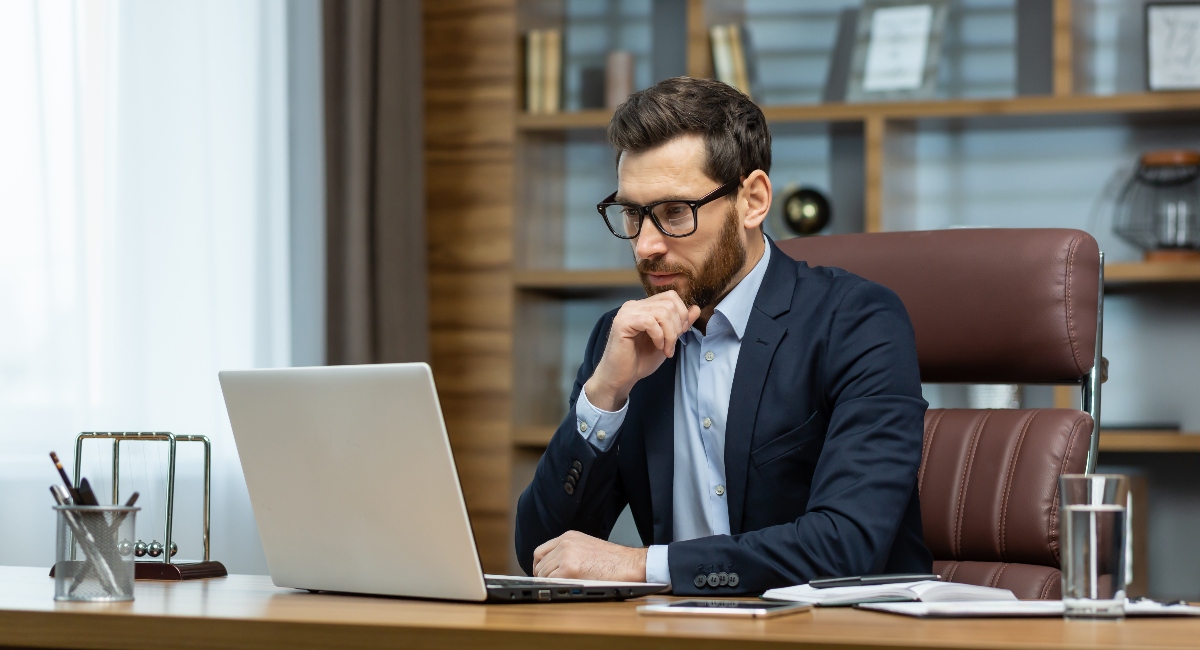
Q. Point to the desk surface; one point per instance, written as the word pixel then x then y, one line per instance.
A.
pixel 249 612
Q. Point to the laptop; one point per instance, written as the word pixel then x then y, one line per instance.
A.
pixel 354 488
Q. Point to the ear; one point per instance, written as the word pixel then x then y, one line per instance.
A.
pixel 756 194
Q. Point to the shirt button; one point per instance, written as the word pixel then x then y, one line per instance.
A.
pixel 707 422
pixel 720 490
pixel 583 427
pixel 600 435
pixel 709 356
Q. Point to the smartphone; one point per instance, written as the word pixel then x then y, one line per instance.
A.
pixel 745 608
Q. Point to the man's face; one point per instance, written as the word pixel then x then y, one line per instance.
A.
pixel 700 266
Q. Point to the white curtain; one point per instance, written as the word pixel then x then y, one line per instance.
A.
pixel 143 247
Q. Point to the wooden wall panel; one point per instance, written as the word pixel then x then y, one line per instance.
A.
pixel 469 95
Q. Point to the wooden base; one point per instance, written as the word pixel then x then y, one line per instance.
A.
pixel 185 571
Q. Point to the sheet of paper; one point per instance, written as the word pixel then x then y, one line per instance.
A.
pixel 898 47
pixel 1022 608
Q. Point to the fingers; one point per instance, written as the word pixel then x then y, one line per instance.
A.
pixel 540 552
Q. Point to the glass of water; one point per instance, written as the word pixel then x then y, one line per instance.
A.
pixel 1094 534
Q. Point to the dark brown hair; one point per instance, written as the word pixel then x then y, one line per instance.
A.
pixel 736 138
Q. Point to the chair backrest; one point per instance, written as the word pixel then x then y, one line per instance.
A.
pixel 990 306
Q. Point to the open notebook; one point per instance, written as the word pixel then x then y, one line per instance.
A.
pixel 929 591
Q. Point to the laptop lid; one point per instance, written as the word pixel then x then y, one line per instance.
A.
pixel 352 480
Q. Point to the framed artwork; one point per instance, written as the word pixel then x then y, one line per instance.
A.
pixel 1173 46
pixel 897 49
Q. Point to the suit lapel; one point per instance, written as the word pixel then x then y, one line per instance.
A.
pixel 658 431
pixel 759 342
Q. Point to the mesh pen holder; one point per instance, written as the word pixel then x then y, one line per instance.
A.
pixel 100 538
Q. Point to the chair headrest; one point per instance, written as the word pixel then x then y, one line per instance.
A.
pixel 989 305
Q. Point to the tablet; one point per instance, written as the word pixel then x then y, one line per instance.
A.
pixel 745 608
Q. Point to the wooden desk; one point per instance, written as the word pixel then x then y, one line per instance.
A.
pixel 248 612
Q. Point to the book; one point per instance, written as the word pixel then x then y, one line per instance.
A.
pixel 551 70
pixel 929 591
pixel 618 80
pixel 737 49
pixel 1018 609
pixel 534 54
pixel 730 62
pixel 722 54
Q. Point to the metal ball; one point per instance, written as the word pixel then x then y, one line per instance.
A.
pixel 125 547
pixel 156 549
pixel 140 548
pixel 174 549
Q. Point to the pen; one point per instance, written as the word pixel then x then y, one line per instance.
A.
pixel 66 480
pixel 863 581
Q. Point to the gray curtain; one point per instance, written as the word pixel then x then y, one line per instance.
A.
pixel 377 301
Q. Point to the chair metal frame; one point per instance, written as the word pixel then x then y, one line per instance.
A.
pixel 1095 377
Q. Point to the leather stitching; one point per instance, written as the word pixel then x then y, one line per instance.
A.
pixel 1045 592
pixel 928 442
pixel 995 581
pixel 1012 470
pixel 1070 323
pixel 1075 428
pixel 953 570
pixel 962 488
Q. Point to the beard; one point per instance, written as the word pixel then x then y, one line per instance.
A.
pixel 724 259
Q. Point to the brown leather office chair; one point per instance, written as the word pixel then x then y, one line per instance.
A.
pixel 1013 306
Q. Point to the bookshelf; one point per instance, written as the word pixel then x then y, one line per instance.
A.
pixel 521 266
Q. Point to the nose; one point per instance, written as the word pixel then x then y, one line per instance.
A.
pixel 650 242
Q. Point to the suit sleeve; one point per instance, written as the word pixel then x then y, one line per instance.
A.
pixel 866 472
pixel 575 486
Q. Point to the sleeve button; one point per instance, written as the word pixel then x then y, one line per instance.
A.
pixel 734 580
pixel 570 488
pixel 700 580
pixel 713 580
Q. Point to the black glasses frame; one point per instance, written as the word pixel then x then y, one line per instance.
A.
pixel 647 210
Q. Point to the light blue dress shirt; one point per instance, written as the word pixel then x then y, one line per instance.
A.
pixel 703 379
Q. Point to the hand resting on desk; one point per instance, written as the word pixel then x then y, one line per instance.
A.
pixel 583 557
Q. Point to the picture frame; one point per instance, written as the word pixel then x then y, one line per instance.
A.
pixel 1172 46
pixel 897 50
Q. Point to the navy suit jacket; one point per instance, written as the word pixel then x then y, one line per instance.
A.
pixel 822 446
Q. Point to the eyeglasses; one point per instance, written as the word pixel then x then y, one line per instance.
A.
pixel 673 217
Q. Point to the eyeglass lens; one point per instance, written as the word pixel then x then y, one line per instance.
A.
pixel 675 218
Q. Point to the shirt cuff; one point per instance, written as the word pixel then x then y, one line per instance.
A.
pixel 657 569
pixel 597 426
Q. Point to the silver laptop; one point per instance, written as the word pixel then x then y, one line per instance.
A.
pixel 354 487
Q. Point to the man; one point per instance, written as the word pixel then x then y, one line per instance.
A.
pixel 762 419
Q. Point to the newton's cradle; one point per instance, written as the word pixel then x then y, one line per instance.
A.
pixel 155 569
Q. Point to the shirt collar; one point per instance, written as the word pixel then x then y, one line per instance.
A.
pixel 736 305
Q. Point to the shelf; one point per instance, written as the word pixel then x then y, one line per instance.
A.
pixel 1110 441
pixel 1129 273
pixel 1014 106
pixel 564 280
pixel 1148 441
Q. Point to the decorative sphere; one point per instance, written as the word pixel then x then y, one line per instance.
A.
pixel 156 549
pixel 806 211
pixel 125 547
pixel 140 548
pixel 174 549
